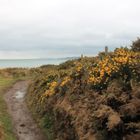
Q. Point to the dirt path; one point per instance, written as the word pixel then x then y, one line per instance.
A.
pixel 24 126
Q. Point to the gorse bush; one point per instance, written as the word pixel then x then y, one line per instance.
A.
pixel 102 90
pixel 136 45
pixel 96 75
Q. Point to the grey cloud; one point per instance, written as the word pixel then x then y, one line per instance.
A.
pixel 62 28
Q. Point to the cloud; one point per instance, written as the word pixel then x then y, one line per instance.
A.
pixel 60 28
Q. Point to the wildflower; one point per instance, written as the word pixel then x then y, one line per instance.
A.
pixel 65 80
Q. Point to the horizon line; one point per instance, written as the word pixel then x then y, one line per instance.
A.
pixel 39 58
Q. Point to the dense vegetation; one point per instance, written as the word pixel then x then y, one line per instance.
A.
pixel 90 98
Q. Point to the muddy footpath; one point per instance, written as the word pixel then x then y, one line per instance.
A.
pixel 24 126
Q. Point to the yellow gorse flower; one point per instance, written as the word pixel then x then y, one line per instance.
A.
pixel 50 91
pixel 102 70
pixel 65 80
pixel 79 67
pixel 112 64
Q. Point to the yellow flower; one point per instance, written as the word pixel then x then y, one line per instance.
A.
pixel 65 80
pixel 112 64
pixel 51 89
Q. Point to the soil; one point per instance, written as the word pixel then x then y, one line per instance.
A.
pixel 24 126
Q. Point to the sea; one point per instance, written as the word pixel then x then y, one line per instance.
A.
pixel 30 63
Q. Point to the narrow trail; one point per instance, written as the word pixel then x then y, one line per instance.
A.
pixel 25 127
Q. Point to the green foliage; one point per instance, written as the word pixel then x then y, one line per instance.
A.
pixel 5 120
pixel 136 45
pixel 48 123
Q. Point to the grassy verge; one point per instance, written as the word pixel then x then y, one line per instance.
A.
pixel 5 121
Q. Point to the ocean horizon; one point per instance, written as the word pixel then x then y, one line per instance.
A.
pixel 30 63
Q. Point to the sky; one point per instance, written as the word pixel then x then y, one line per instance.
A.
pixel 65 28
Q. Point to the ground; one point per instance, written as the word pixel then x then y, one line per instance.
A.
pixel 25 127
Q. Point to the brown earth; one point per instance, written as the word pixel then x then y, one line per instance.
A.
pixel 25 127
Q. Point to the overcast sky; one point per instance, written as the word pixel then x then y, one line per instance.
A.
pixel 61 28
